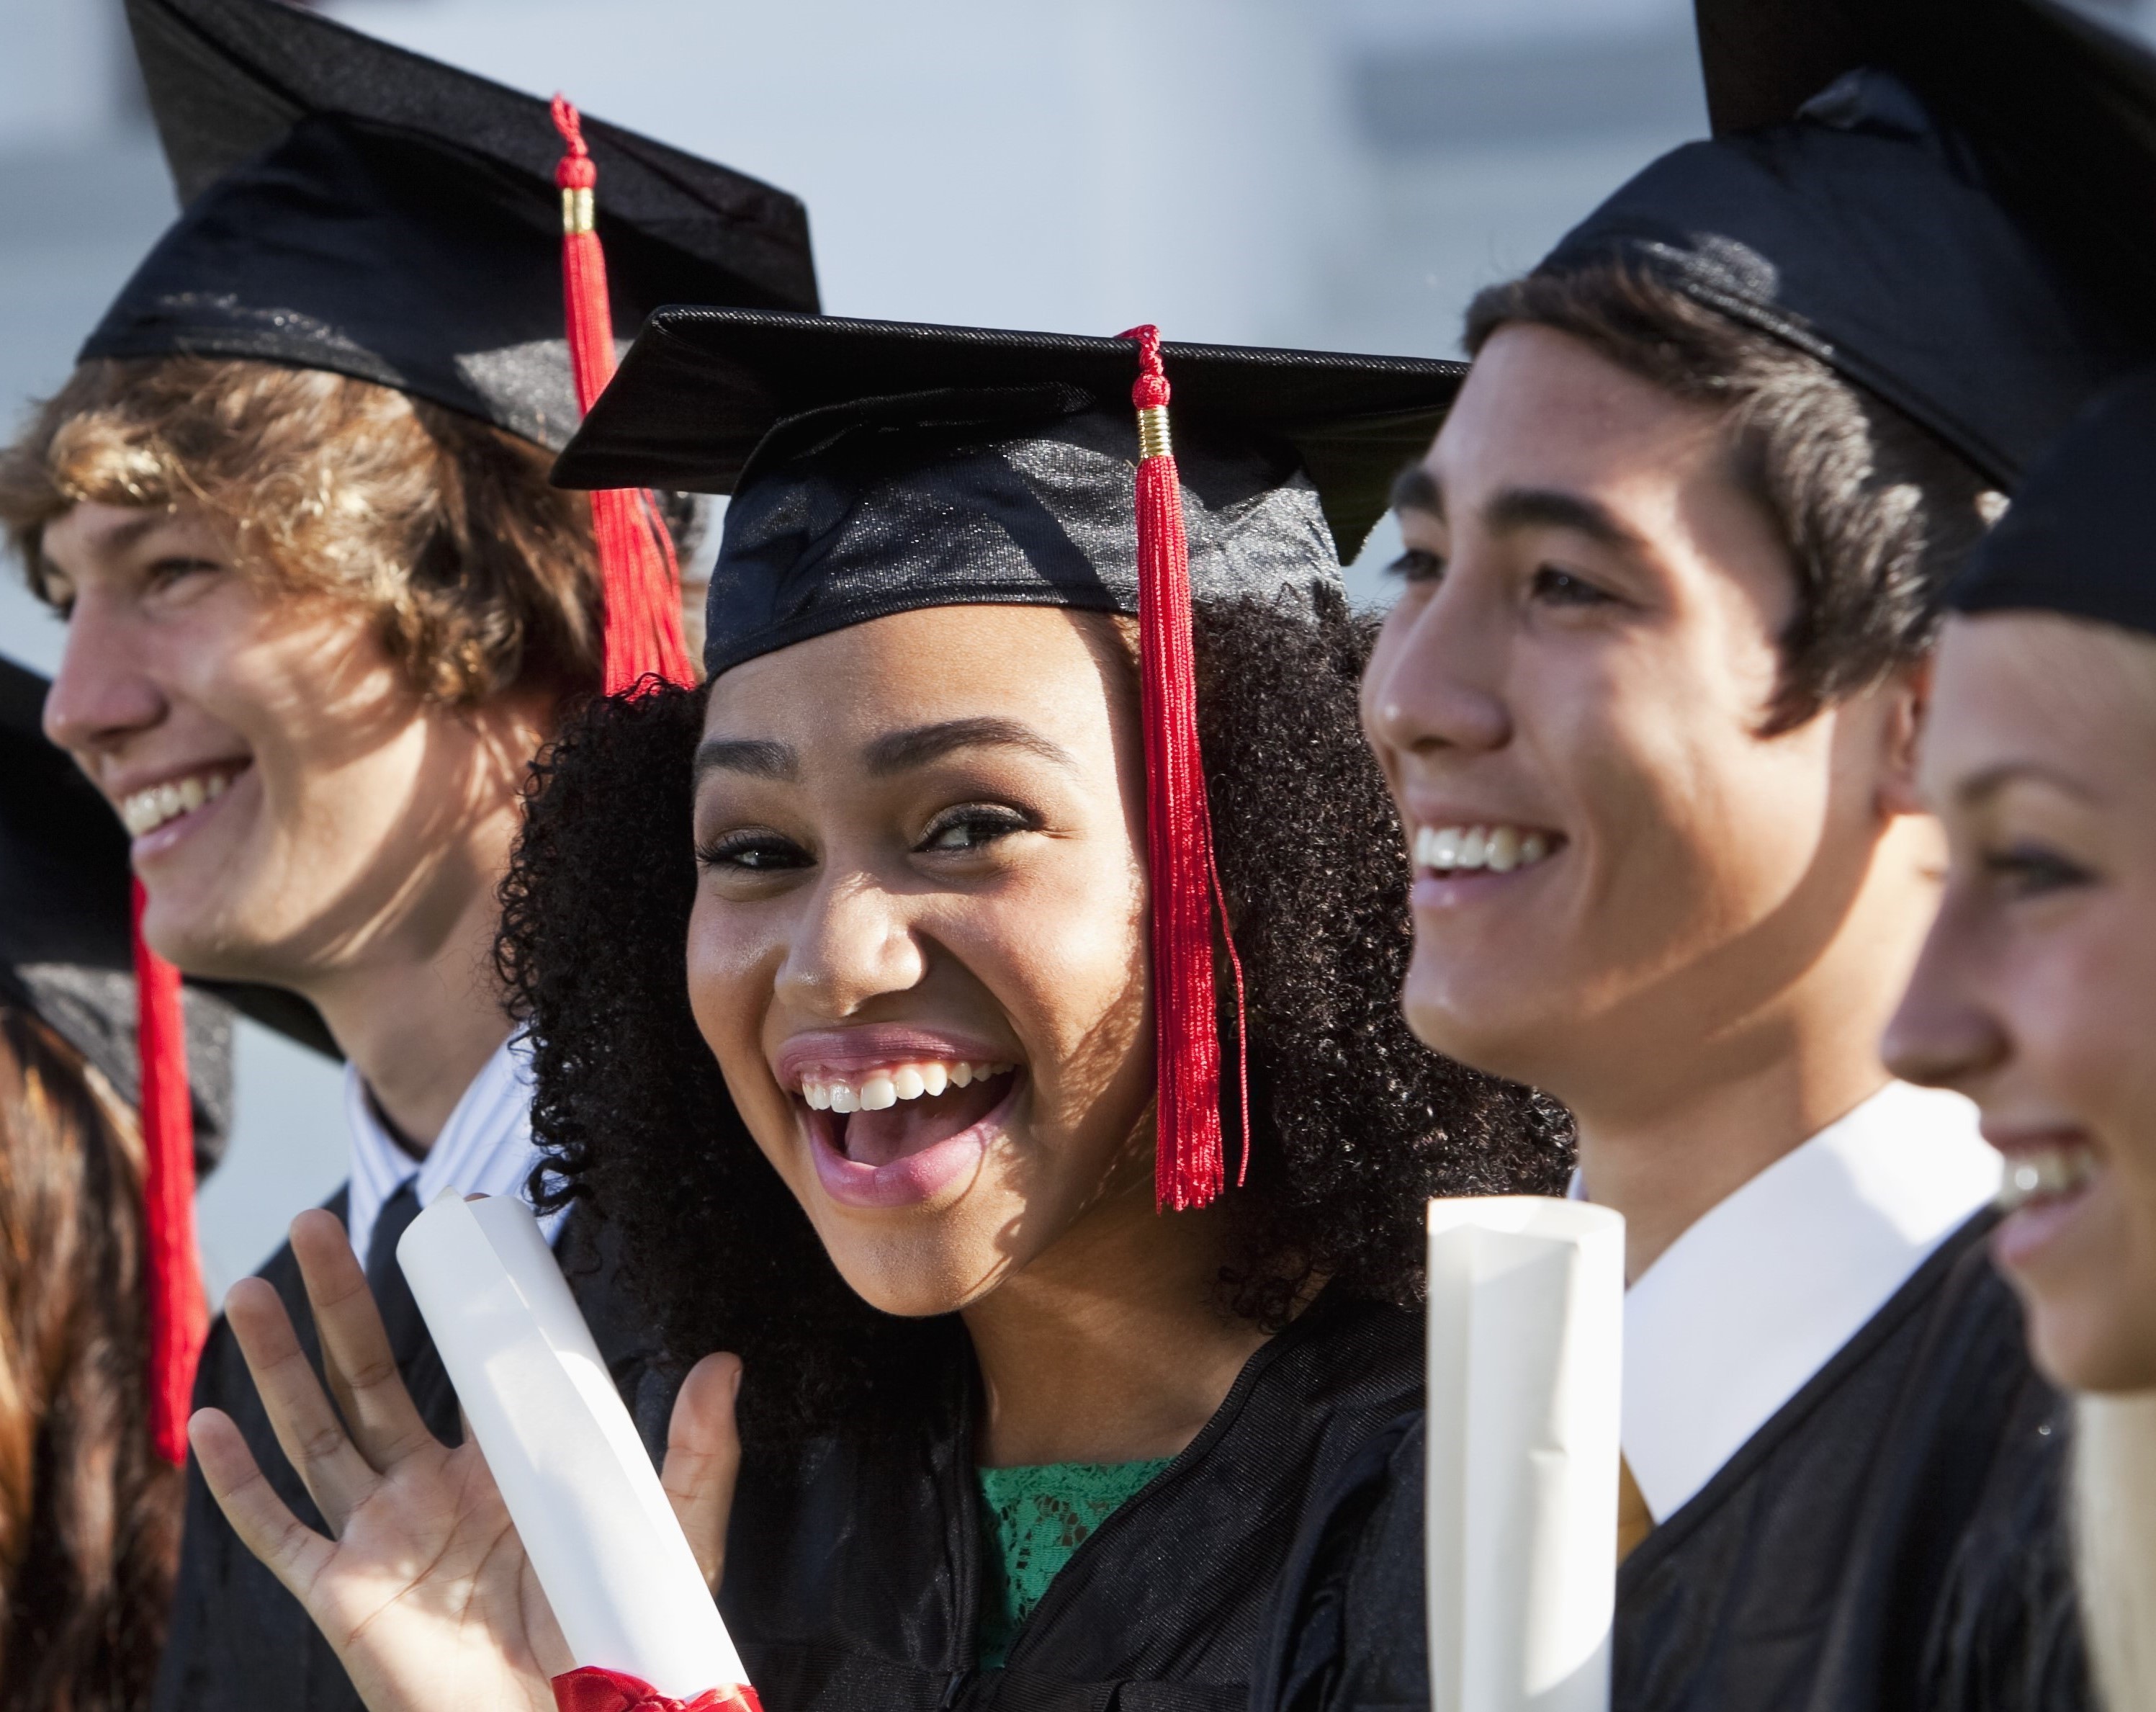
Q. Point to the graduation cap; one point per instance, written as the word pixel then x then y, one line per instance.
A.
pixel 68 954
pixel 879 467
pixel 1944 200
pixel 2077 538
pixel 353 207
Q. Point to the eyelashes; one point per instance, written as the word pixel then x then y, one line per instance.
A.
pixel 974 826
pixel 965 830
pixel 752 851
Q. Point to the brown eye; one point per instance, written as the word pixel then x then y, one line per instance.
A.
pixel 1416 566
pixel 753 852
pixel 973 827
pixel 1557 587
pixel 2030 870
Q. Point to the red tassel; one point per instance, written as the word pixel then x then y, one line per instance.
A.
pixel 591 1688
pixel 637 568
pixel 1189 1169
pixel 177 1318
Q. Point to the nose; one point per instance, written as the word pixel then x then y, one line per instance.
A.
pixel 1944 1035
pixel 1432 683
pixel 102 695
pixel 852 945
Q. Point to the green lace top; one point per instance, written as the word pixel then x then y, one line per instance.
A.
pixel 1036 1517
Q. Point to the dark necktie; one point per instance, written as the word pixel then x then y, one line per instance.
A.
pixel 393 1296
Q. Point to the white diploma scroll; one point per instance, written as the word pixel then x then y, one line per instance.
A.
pixel 1527 1320
pixel 601 1537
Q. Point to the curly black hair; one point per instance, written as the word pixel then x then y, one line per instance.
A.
pixel 1355 1124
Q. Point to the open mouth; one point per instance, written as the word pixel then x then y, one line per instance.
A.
pixel 2043 1192
pixel 885 1134
pixel 1447 851
pixel 2039 1176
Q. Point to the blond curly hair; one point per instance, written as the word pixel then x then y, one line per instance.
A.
pixel 482 577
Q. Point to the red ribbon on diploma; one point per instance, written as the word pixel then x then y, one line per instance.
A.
pixel 589 1688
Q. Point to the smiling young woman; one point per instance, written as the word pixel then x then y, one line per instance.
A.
pixel 2036 988
pixel 838 979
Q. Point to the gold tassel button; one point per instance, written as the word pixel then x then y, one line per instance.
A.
pixel 1153 433
pixel 577 216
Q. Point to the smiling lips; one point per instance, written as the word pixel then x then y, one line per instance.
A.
pixel 1497 849
pixel 145 810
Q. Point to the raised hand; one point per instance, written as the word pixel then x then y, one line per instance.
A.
pixel 423 1591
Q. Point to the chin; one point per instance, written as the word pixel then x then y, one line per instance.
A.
pixel 201 936
pixel 2086 1345
pixel 1446 1022
pixel 917 1282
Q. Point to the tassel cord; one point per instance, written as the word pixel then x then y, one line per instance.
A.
pixel 176 1317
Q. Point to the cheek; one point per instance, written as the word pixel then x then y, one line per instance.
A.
pixel 2078 998
pixel 732 959
pixel 1064 953
pixel 1701 830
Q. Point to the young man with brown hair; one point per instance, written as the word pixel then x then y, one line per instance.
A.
pixel 1648 704
pixel 324 608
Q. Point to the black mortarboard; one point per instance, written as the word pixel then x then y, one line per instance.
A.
pixel 2080 537
pixel 65 951
pixel 879 466
pixel 1928 196
pixel 353 207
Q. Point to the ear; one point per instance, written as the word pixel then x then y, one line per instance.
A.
pixel 1908 695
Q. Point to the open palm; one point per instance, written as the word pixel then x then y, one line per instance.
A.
pixel 424 1590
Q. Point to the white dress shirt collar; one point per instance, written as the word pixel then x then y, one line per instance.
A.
pixel 1761 1292
pixel 484 1149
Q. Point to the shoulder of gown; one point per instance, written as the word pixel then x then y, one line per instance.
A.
pixel 1894 1541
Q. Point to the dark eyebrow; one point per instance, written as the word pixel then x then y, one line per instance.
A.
pixel 1549 508
pixel 901 749
pixel 758 756
pixel 1414 488
pixel 1980 787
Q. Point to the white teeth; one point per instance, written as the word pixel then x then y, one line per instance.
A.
pixel 1461 849
pixel 879 1090
pixel 146 809
pixel 2044 1174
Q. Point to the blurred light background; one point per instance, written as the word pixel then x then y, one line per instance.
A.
pixel 1339 174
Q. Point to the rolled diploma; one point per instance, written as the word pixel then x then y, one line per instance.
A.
pixel 1527 1320
pixel 578 1483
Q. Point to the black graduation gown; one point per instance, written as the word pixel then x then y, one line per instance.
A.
pixel 1894 1540
pixel 239 1642
pixel 853 1577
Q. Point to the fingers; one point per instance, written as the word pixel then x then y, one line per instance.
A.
pixel 703 1457
pixel 385 1426
pixel 292 1551
pixel 337 1476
